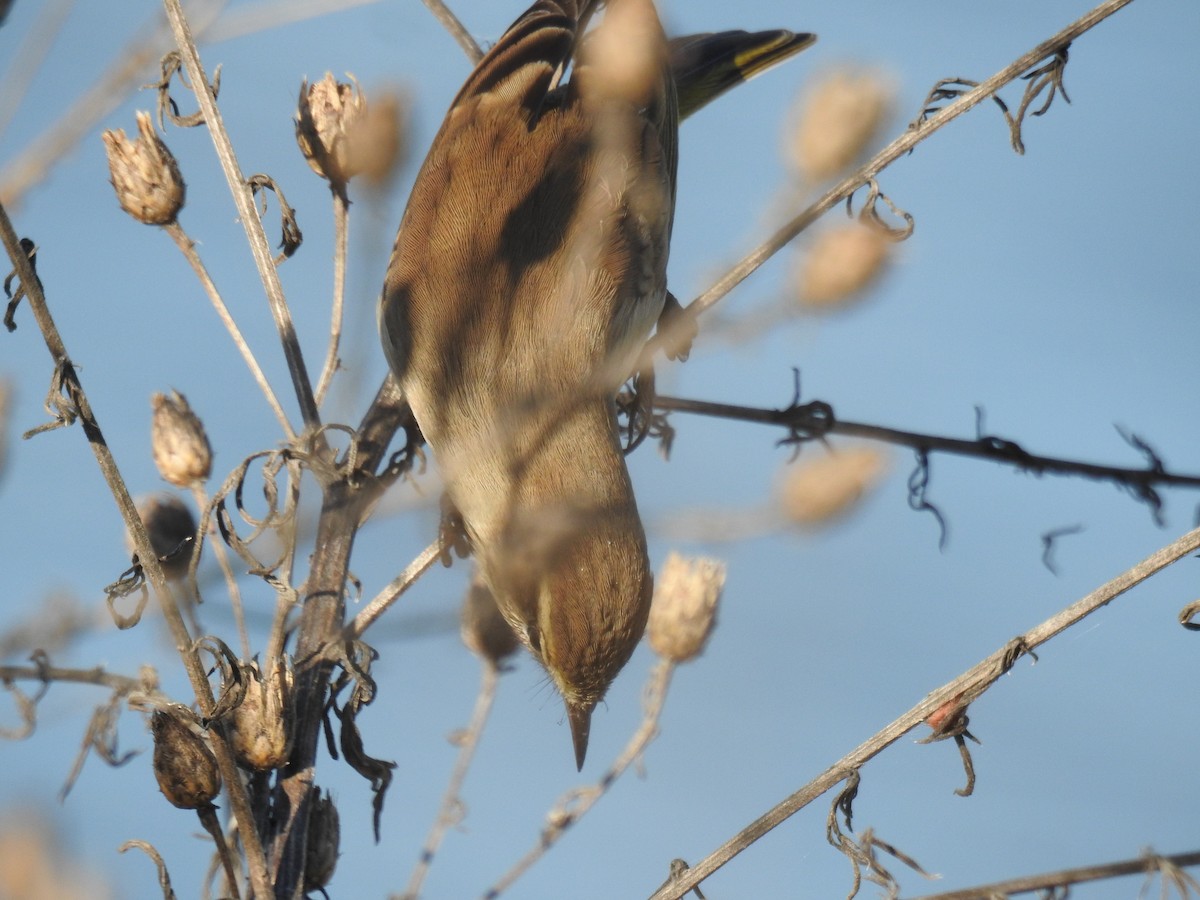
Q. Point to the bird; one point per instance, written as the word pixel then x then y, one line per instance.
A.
pixel 527 273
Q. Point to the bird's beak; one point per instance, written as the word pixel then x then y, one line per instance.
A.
pixel 580 717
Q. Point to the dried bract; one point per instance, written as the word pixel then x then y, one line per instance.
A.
pixel 819 490
pixel 144 174
pixel 836 120
pixel 484 629
pixel 180 446
pixel 840 264
pixel 261 723
pixel 324 837
pixel 328 112
pixel 185 768
pixel 684 609
pixel 172 530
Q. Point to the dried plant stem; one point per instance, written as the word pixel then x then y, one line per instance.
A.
pixel 800 418
pixel 188 248
pixel 208 819
pixel 450 812
pixel 961 691
pixel 272 14
pixel 451 23
pixel 141 540
pixel 574 805
pixel 235 593
pixel 885 157
pixel 1049 881
pixel 390 594
pixel 243 199
pixel 341 228
pixel 97 676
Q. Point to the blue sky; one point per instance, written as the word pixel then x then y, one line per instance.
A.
pixel 1056 289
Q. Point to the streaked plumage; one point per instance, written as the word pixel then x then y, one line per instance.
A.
pixel 529 269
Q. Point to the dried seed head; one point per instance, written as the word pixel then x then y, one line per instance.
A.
pixel 181 449
pixel 377 141
pixel 184 766
pixel 840 264
pixel 324 836
pixel 684 609
pixel 484 629
pixel 328 111
pixel 144 174
pixel 261 724
pixel 172 530
pixel 822 489
pixel 838 117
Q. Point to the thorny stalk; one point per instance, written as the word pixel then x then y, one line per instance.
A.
pixel 188 248
pixel 141 540
pixel 572 807
pixel 451 810
pixel 963 690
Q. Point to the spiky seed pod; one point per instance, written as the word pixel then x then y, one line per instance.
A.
pixel 328 112
pixel 171 527
pixel 261 724
pixel 324 837
pixel 145 174
pixel 180 446
pixel 484 629
pixel 185 768
pixel 684 608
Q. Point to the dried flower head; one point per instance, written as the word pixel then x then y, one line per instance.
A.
pixel 185 768
pixel 144 174
pixel 177 439
pixel 484 629
pixel 818 490
pixel 261 724
pixel 838 116
pixel 328 111
pixel 172 530
pixel 324 838
pixel 377 141
pixel 841 263
pixel 684 609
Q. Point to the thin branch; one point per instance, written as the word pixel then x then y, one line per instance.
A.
pixel 98 676
pixel 574 805
pixel 247 212
pixel 194 667
pixel 451 23
pixel 961 691
pixel 904 144
pixel 815 419
pixel 188 248
pixel 1149 864
pixel 341 227
pixel 450 812
pixel 390 594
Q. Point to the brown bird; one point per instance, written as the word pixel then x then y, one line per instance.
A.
pixel 529 268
